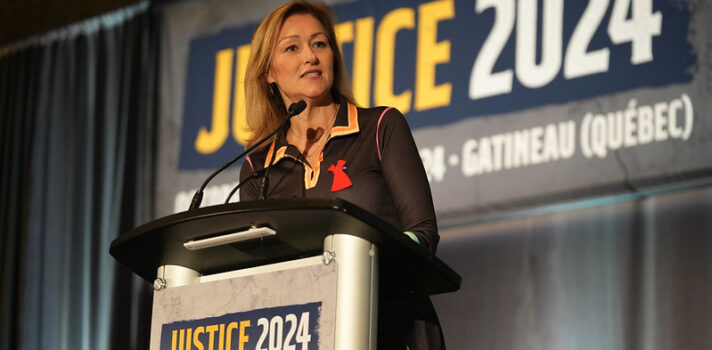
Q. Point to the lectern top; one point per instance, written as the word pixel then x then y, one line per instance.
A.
pixel 301 225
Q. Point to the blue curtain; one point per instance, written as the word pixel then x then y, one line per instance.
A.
pixel 78 114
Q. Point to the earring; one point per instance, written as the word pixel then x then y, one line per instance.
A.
pixel 273 89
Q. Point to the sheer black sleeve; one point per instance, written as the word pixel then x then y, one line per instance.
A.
pixel 405 177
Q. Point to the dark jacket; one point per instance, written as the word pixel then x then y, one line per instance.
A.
pixel 370 160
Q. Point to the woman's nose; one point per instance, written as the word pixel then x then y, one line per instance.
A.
pixel 311 56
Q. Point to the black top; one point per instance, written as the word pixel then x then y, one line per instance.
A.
pixel 370 159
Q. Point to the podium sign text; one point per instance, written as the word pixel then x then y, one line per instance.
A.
pixel 286 309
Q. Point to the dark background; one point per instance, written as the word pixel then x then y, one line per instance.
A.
pixel 22 19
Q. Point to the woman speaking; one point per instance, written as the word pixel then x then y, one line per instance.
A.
pixel 333 148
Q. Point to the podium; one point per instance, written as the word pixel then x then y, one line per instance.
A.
pixel 311 273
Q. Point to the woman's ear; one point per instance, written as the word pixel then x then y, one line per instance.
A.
pixel 270 80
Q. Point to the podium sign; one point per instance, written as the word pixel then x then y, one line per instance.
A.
pixel 288 308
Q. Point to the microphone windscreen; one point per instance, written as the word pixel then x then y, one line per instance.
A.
pixel 297 107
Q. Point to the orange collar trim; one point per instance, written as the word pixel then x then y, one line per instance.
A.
pixel 311 175
pixel 351 127
pixel 280 153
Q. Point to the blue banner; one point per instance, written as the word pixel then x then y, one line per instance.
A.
pixel 284 327
pixel 443 61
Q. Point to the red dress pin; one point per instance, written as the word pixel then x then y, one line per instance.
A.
pixel 341 180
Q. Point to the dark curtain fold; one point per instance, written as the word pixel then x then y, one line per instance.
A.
pixel 78 119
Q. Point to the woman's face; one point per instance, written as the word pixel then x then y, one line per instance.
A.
pixel 302 61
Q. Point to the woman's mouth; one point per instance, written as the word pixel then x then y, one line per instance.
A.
pixel 311 74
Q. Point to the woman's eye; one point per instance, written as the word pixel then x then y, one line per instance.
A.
pixel 291 48
pixel 320 44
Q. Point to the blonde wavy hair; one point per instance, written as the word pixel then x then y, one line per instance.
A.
pixel 265 108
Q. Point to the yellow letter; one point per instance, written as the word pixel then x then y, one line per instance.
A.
pixel 430 53
pixel 196 341
pixel 228 342
pixel 209 142
pixel 221 340
pixel 188 336
pixel 173 341
pixel 402 18
pixel 363 61
pixel 344 33
pixel 363 52
pixel 181 340
pixel 243 338
pixel 211 330
pixel 240 131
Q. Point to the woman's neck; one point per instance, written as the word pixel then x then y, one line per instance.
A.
pixel 312 119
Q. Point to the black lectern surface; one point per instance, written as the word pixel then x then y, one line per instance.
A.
pixel 301 225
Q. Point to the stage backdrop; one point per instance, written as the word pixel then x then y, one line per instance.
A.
pixel 512 103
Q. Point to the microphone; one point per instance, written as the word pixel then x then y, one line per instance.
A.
pixel 294 109
pixel 297 107
pixel 255 175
